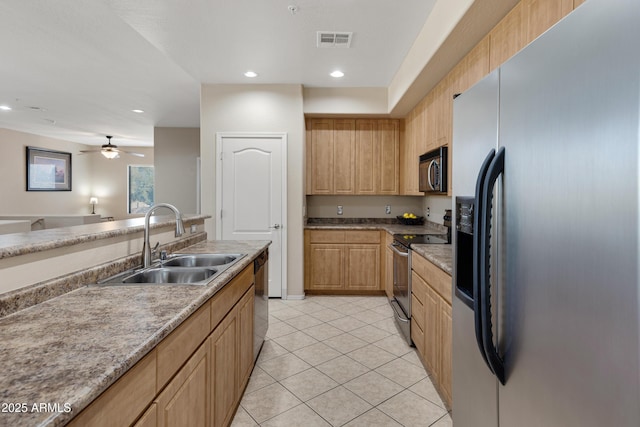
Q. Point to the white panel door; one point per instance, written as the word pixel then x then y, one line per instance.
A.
pixel 252 204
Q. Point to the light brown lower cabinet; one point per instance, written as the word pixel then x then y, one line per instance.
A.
pixel 431 326
pixel 150 418
pixel 343 260
pixel 206 361
pixel 185 400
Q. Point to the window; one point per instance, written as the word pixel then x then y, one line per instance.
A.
pixel 140 189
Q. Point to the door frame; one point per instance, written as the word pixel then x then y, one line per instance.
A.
pixel 282 136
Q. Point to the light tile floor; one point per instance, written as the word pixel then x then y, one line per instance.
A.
pixel 338 361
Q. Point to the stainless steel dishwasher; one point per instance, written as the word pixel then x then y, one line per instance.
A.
pixel 261 302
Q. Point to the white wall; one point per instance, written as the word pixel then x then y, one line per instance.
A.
pixel 175 153
pixel 91 175
pixel 362 206
pixel 258 108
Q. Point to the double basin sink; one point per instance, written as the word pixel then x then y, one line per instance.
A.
pixel 187 269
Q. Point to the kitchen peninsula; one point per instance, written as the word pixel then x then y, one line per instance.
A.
pixel 61 354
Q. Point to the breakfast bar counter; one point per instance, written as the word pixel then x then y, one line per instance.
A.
pixel 61 354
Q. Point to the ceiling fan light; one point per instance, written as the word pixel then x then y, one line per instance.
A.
pixel 109 154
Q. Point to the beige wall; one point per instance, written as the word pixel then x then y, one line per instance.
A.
pixel 175 154
pixel 258 108
pixel 92 175
pixel 17 201
pixel 437 205
pixel 326 100
pixel 109 181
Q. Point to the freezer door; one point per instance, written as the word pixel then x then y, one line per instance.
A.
pixel 569 120
pixel 475 131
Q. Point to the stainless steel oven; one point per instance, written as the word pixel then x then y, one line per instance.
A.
pixel 401 302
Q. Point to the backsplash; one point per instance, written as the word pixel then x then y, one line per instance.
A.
pixel 435 205
pixel 362 206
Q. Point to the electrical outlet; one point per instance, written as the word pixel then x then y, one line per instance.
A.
pixel 194 228
pixel 339 209
pixel 387 209
pixel 428 211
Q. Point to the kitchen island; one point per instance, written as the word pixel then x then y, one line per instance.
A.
pixel 66 351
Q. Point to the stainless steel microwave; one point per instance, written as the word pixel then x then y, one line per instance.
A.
pixel 433 171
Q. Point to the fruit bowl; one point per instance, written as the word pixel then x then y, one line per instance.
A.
pixel 411 221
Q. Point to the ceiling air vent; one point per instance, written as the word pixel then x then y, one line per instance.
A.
pixel 334 39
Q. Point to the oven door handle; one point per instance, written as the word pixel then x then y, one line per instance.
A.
pixel 402 254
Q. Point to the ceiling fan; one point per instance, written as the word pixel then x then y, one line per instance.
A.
pixel 111 151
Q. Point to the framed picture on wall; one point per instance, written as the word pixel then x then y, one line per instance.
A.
pixel 48 170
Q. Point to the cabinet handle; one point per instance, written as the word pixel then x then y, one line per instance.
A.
pixel 275 226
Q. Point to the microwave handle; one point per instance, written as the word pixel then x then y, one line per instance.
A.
pixel 433 162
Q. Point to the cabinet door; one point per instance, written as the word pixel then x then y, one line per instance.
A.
pixel 388 156
pixel 344 156
pixel 366 160
pixel 431 335
pixel 445 330
pixel 224 372
pixel 542 14
pixel 507 38
pixel 322 156
pixel 410 157
pixel 185 400
pixel 326 266
pixel 363 267
pixel 150 418
pixel 245 334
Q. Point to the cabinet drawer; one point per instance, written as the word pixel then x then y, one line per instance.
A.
pixel 361 236
pixel 326 236
pixel 175 349
pixel 418 287
pixel 436 278
pixel 417 311
pixel 125 400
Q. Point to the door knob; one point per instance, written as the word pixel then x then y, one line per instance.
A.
pixel 275 226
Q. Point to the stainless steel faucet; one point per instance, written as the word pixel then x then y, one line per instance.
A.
pixel 146 250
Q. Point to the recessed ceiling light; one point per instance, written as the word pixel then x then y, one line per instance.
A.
pixel 337 74
pixel 5 108
pixel 251 74
pixel 138 111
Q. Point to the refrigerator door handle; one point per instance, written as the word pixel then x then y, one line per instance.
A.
pixel 495 361
pixel 477 249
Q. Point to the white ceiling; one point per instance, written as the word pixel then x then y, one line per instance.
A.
pixel 74 70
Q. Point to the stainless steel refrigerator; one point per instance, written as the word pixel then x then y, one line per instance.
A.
pixel 546 243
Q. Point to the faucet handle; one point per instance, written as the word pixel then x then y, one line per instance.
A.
pixel 155 248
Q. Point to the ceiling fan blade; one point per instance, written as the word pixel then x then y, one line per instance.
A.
pixel 132 153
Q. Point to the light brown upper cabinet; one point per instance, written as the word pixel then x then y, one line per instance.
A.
pixel 540 15
pixel 332 156
pixel 349 156
pixel 507 38
pixel 377 156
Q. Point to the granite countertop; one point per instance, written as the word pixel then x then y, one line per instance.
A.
pixel 41 240
pixel 440 255
pixel 69 349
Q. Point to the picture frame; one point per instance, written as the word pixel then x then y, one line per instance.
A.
pixel 48 170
